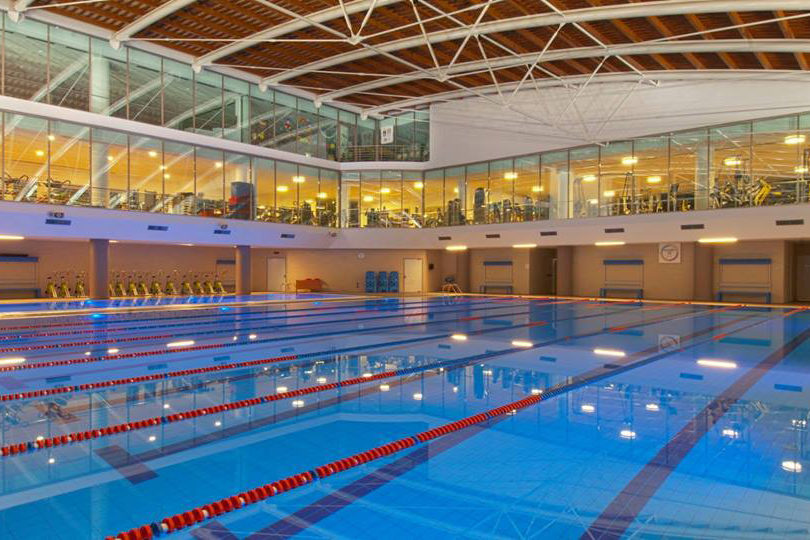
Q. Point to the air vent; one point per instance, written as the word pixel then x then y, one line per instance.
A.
pixel 693 227
pixel 157 228
pixel 493 236
pixel 788 222
pixel 614 230
pixel 548 233
pixel 445 238
pixel 52 221
pixel 222 231
pixel 287 235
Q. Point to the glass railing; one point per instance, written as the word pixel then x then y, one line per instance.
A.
pixel 386 152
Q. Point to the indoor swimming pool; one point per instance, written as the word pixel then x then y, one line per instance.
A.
pixel 313 416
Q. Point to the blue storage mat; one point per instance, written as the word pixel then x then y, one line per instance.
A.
pixel 393 281
pixel 371 283
pixel 382 282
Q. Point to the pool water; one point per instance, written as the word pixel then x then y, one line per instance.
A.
pixel 462 417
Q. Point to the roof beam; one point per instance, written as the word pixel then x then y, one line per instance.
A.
pixel 288 27
pixel 614 77
pixel 160 12
pixel 619 11
pixel 722 46
pixel 787 31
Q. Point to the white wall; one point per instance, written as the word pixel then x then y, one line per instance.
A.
pixel 474 129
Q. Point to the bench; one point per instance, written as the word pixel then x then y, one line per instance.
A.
pixel 486 287
pixel 723 293
pixel 14 293
pixel 637 293
pixel 309 284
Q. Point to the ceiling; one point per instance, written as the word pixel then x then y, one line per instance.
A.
pixel 382 55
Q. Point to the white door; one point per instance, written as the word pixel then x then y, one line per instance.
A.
pixel 412 276
pixel 276 274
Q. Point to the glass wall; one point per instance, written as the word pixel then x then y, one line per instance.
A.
pixel 755 163
pixel 64 163
pixel 53 65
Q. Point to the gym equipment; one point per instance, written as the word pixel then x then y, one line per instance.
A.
pixel 208 285
pixel 143 289
pixel 198 286
pixel 170 288
pixel 371 283
pixel 218 286
pixel 50 287
pixel 118 287
pixel 393 281
pixel 78 286
pixel 185 287
pixel 382 282
pixel 63 289
pixel 132 286
pixel 479 206
pixel 155 289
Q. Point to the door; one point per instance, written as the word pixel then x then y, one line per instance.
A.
pixel 276 274
pixel 803 278
pixel 412 276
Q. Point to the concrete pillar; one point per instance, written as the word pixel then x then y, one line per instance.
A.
pixel 243 270
pixel 100 103
pixel 565 271
pixel 703 273
pixel 99 276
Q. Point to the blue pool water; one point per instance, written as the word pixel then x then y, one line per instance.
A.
pixel 623 419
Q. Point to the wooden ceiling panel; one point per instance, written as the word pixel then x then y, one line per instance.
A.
pixel 205 26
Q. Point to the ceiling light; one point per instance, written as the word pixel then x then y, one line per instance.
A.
pixel 368 198
pixel 794 139
pixel 459 337
pixel 322 195
pixel 629 160
pixel 522 344
pixel 175 344
pixel 792 466
pixel 609 193
pixel 730 433
pixel 51 137
pixel 719 240
pixel 610 352
pixel 652 407
pixel 218 164
pixel 510 175
pixel 653 179
pixel 732 161
pixel 282 189
pixel 152 153
pixel 456 248
pixel 39 153
pixel 589 178
pixel 299 179
pixel 11 237
pixel 12 361
pixel 627 434
pixel 417 396
pixel 418 185
pixel 537 189
pixel 723 364
pixel 609 243
pixel 524 246
pixel 593 201
pixel 110 158
pixel 385 190
pixel 587 408
pixel 800 169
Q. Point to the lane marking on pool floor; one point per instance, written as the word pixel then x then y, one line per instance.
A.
pixel 589 377
pixel 625 507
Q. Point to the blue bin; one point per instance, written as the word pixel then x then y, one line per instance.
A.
pixel 382 282
pixel 393 281
pixel 371 283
